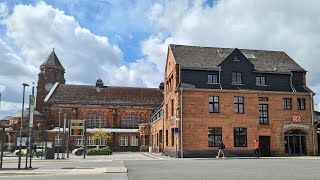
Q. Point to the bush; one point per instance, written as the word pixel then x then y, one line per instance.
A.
pixel 99 150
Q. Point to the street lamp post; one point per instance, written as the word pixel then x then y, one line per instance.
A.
pixel 59 132
pixel 20 141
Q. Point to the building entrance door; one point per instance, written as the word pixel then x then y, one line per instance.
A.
pixel 295 142
pixel 264 146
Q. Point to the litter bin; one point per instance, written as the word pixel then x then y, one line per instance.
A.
pixel 50 153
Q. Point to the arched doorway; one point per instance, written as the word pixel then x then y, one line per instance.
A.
pixel 295 142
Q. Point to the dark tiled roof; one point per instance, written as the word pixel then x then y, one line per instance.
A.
pixel 107 95
pixel 52 60
pixel 197 57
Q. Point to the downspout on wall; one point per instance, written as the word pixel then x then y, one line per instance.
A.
pixel 291 84
pixel 220 77
pixel 312 123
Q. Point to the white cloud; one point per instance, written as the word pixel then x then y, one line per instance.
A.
pixel 37 29
pixel 3 10
pixel 272 25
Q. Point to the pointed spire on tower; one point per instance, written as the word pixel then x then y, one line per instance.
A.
pixel 52 60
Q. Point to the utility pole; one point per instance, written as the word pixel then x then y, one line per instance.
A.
pixel 20 140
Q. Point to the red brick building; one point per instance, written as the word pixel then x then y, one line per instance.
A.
pixel 234 95
pixel 118 110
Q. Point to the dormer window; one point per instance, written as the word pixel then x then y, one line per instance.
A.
pixel 260 80
pixel 236 78
pixel 213 77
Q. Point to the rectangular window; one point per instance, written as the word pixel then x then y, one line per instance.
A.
pixel 167 134
pixel 160 136
pixel 213 78
pixel 91 141
pixel 263 114
pixel 260 80
pixel 263 99
pixel 123 140
pixel 213 104
pixel 238 105
pixel 172 107
pixel 240 137
pixel 301 104
pixel 287 103
pixel 102 142
pixel 134 141
pixel 172 136
pixel 79 141
pixel 236 78
pixel 166 111
pixel 214 136
pixel 147 140
pixel 57 140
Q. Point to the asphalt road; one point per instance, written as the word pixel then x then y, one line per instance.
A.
pixel 142 167
pixel 237 169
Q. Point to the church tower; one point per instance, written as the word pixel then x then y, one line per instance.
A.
pixel 51 71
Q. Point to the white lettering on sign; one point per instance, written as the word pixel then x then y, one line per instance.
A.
pixel 296 118
pixel 286 126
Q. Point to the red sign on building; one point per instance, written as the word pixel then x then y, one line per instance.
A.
pixel 296 118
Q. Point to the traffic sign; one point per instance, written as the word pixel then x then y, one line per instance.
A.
pixel 176 131
pixel 77 127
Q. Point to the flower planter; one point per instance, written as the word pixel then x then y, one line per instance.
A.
pixel 98 153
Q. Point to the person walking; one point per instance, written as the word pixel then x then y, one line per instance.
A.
pixel 221 147
pixel 257 148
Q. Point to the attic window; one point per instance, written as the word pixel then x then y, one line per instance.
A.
pixel 249 56
pixel 235 58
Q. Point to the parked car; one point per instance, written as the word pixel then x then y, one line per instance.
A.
pixel 39 151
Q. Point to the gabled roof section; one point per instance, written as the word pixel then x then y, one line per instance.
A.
pixel 52 60
pixel 197 57
pixel 106 95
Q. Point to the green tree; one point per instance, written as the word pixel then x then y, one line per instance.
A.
pixel 99 134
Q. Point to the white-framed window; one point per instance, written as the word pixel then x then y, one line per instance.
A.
pixel 57 140
pixel 123 140
pixel 23 141
pixel 91 141
pixel 102 142
pixel 134 141
pixel 79 141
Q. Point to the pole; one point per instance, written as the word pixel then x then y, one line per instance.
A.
pixel 31 109
pixel 64 132
pixel 20 141
pixel 85 139
pixel 59 132
pixel 29 143
pixel 68 139
pixel 1 159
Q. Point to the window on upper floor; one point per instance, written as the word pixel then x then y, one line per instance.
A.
pixel 263 114
pixel 131 120
pixel 213 78
pixel 236 78
pixel 213 104
pixel 301 104
pixel 238 105
pixel 96 120
pixel 263 98
pixel 172 107
pixel 260 80
pixel 287 103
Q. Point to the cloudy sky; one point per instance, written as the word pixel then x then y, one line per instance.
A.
pixel 125 42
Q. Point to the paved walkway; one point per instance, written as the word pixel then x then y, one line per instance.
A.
pixel 110 163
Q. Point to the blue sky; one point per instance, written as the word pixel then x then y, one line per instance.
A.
pixel 125 42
